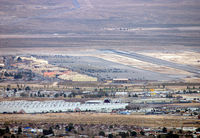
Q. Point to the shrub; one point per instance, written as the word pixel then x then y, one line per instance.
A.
pixel 101 133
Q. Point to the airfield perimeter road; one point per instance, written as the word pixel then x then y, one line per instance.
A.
pixel 156 61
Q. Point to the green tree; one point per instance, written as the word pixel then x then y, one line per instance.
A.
pixel 23 94
pixel 110 136
pixel 27 88
pixel 164 130
pixel 6 74
pixel 56 95
pixel 57 127
pixel 123 134
pixel 51 131
pixel 19 130
pixel 133 133
pixel 142 133
pixel 15 90
pixel 19 59
pixel 163 86
pixel 181 131
pixel 18 76
pixel 198 129
pixel 70 126
pixel 101 133
pixel 7 129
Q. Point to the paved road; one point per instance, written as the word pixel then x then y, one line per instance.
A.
pixel 156 61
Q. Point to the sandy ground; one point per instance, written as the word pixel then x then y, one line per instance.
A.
pixel 187 104
pixel 44 51
pixel 141 64
pixel 190 96
pixel 102 118
pixel 192 80
pixel 186 57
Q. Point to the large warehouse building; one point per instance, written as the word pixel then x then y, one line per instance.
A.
pixel 57 106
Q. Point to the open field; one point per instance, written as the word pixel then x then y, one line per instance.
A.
pixel 102 118
pixel 89 24
pixel 182 57
pixel 192 80
pixel 141 64
pixel 186 104
pixel 190 95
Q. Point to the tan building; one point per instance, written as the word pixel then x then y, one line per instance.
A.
pixel 121 80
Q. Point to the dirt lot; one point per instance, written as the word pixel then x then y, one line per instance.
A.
pixel 102 118
pixel 192 80
pixel 196 95
pixel 186 104
pixel 186 57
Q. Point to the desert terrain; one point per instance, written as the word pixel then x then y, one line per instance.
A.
pixel 95 24
pixel 101 118
pixel 142 53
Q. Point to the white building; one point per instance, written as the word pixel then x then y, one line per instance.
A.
pixel 121 94
pixel 57 106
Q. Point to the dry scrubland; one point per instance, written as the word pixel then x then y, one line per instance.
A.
pixel 181 57
pixel 186 104
pixel 62 24
pixel 184 57
pixel 189 95
pixel 102 118
pixel 141 64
